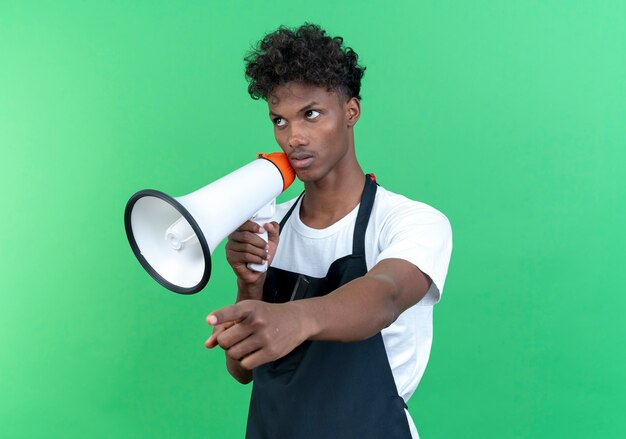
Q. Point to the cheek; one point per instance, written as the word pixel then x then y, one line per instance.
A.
pixel 333 136
pixel 280 138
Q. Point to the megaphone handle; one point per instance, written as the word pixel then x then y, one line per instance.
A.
pixel 261 268
pixel 262 217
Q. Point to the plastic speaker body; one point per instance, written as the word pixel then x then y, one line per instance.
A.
pixel 173 238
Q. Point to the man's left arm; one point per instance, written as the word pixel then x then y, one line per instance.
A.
pixel 359 309
pixel 365 306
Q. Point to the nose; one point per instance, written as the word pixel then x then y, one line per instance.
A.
pixel 297 137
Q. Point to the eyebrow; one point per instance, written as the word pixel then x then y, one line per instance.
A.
pixel 306 107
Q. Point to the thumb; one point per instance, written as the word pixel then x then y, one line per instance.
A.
pixel 273 230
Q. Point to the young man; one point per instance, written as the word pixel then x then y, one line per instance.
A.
pixel 336 335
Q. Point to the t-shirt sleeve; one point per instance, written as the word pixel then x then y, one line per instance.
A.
pixel 422 236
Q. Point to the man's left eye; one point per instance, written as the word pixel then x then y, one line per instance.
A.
pixel 312 114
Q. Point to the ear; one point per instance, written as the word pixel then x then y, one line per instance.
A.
pixel 353 111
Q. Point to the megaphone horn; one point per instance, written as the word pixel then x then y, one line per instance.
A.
pixel 173 238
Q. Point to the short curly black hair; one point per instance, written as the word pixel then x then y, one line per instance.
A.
pixel 305 54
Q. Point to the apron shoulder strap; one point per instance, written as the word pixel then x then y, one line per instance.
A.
pixel 289 212
pixel 363 217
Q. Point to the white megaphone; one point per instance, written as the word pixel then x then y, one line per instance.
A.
pixel 174 238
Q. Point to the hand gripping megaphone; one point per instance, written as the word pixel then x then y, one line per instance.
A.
pixel 173 238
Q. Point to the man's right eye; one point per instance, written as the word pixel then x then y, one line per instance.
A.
pixel 279 121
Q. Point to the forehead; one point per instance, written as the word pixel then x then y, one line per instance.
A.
pixel 297 94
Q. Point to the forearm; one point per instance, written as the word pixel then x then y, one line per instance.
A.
pixel 363 307
pixel 247 291
pixel 356 311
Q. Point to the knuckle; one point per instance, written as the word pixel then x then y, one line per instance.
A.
pixel 253 243
pixel 258 321
pixel 266 340
pixel 246 364
pixel 230 353
pixel 222 341
pixel 272 351
pixel 234 353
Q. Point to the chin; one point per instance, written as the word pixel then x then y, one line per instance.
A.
pixel 306 176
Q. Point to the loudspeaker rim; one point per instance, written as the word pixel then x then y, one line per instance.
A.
pixel 194 225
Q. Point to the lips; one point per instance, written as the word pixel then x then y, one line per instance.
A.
pixel 301 160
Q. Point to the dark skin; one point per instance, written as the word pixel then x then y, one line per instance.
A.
pixel 315 128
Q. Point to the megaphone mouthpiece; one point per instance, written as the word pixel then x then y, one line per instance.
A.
pixel 280 160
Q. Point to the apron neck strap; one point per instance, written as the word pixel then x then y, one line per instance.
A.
pixel 365 209
pixel 288 214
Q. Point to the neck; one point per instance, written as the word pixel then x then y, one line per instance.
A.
pixel 328 200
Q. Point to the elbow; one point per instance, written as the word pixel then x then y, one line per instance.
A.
pixel 391 313
pixel 391 304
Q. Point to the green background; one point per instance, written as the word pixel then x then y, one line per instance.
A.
pixel 509 117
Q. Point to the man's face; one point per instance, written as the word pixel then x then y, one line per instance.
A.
pixel 313 126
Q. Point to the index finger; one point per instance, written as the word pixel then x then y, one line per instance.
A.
pixel 249 226
pixel 233 313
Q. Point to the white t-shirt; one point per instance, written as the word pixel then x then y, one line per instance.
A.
pixel 398 228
